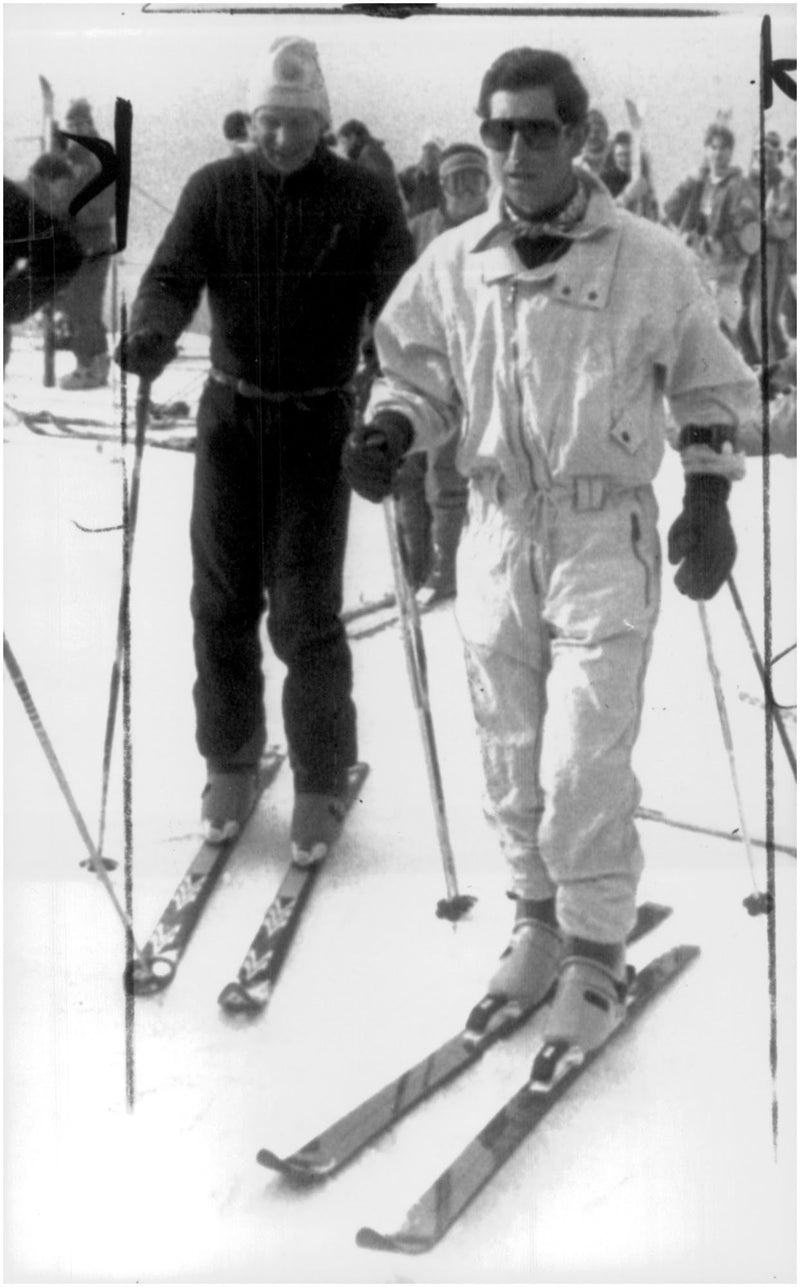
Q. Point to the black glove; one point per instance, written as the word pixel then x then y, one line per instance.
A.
pixel 372 454
pixel 701 539
pixel 145 353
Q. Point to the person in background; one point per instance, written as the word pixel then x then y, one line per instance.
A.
pixel 431 492
pixel 420 183
pixel 632 192
pixel 595 149
pixel 40 253
pixel 788 202
pixel 93 227
pixel 236 132
pixel 780 226
pixel 550 334
pixel 295 247
pixel 358 144
pixel 716 212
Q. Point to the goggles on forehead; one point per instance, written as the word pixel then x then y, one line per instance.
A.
pixel 498 133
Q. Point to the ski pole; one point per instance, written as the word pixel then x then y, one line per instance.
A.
pixel 18 679
pixel 772 705
pixel 131 507
pixel 455 905
pixel 756 902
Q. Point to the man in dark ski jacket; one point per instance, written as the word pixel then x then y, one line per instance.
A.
pixel 297 248
pixel 40 255
pixel 716 211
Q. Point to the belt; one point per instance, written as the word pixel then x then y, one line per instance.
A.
pixel 585 493
pixel 247 390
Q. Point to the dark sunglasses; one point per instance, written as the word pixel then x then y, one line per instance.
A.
pixel 541 135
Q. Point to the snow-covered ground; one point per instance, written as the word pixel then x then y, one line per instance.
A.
pixel 659 1167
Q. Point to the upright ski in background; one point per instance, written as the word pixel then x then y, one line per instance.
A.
pixel 327 1153
pixel 163 951
pixel 441 1205
pixel 48 324
pixel 251 990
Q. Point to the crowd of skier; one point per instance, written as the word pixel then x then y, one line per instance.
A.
pixel 526 337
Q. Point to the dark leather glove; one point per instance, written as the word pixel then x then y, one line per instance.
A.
pixel 145 353
pixel 701 539
pixel 372 454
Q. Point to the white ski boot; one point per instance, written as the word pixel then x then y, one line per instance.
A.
pixel 589 1005
pixel 527 971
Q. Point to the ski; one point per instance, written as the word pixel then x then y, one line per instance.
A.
pixel 383 617
pixel 251 990
pixel 164 949
pixel 327 1153
pixel 365 609
pixel 441 1205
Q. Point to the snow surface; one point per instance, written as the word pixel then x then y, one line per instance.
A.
pixel 658 1167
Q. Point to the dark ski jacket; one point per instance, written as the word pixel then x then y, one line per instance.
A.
pixel 293 266
pixel 40 255
pixel 734 206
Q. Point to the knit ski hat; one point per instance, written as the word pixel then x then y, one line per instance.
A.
pixel 462 156
pixel 290 76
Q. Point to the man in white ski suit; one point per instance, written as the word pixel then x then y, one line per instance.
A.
pixel 556 376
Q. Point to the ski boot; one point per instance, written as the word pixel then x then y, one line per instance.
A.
pixel 227 802
pixel 528 968
pixel 440 583
pixel 91 376
pixel 229 795
pixel 589 1005
pixel 316 822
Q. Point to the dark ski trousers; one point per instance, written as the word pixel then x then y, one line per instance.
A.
pixel 269 514
pixel 82 301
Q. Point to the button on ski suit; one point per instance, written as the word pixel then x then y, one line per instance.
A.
pixel 555 378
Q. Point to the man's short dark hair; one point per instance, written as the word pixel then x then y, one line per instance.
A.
pixel 354 129
pixel 234 127
pixel 721 132
pixel 621 139
pixel 528 69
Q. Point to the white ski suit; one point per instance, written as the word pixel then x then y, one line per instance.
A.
pixel 555 378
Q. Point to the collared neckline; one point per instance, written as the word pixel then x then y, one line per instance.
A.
pixel 579 277
pixel 601 216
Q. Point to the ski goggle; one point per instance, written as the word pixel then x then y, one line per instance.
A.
pixel 542 135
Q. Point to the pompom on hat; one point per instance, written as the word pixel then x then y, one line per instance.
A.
pixel 290 76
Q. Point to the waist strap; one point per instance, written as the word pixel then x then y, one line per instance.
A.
pixel 247 390
pixel 585 493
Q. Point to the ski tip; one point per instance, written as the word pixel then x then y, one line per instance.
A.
pixel 371 1240
pixel 453 909
pixel 147 975
pixel 235 999
pixel 295 1168
pixel 675 959
pixel 271 1161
